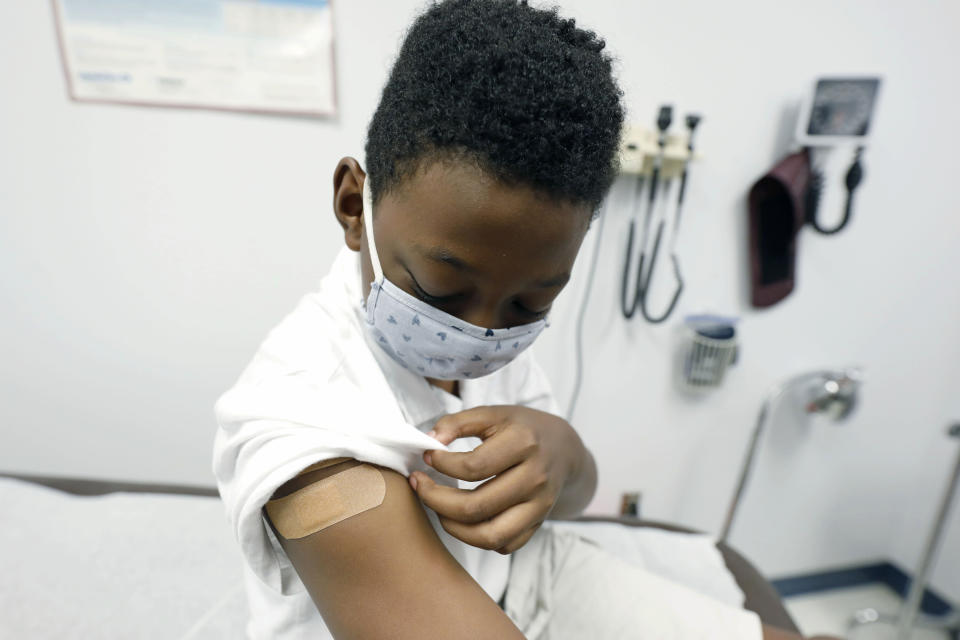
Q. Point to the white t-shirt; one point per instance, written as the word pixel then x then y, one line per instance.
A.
pixel 317 388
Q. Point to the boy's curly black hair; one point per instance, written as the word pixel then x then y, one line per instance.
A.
pixel 519 91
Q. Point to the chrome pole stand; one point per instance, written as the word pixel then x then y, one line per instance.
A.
pixel 910 617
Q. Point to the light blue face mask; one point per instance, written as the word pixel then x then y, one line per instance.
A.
pixel 425 339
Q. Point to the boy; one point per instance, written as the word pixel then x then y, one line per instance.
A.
pixel 493 145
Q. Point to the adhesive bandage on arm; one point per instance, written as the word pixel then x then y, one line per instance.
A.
pixel 327 501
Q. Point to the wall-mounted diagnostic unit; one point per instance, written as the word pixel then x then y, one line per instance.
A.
pixel 839 111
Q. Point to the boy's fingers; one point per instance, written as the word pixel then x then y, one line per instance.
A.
pixel 498 532
pixel 472 506
pixel 472 422
pixel 518 542
pixel 493 456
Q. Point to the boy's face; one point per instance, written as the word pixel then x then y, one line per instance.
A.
pixel 495 256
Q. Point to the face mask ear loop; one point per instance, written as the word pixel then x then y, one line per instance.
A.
pixel 368 224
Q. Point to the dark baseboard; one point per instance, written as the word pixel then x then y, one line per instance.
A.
pixel 89 487
pixel 883 572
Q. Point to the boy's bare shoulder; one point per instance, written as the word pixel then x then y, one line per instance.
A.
pixel 384 573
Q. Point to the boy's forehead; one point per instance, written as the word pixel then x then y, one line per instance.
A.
pixel 466 193
pixel 463 215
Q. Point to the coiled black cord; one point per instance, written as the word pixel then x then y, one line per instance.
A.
pixel 815 189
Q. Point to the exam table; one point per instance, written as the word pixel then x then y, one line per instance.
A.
pixel 104 559
pixel 760 596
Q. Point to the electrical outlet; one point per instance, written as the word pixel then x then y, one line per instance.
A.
pixel 630 504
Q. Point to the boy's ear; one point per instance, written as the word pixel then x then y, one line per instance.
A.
pixel 348 180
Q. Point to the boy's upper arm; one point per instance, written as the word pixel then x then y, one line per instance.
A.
pixel 384 573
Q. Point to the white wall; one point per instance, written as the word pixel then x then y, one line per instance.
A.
pixel 144 253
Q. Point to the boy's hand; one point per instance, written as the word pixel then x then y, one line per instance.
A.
pixel 532 454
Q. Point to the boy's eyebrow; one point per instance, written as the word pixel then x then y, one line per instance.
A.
pixel 440 254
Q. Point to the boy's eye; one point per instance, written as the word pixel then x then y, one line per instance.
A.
pixel 450 299
pixel 530 312
pixel 430 298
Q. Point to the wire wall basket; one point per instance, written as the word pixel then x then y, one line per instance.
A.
pixel 708 349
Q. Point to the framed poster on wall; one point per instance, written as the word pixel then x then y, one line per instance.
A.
pixel 270 56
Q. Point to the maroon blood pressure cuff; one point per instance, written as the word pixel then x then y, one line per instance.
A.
pixel 776 215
